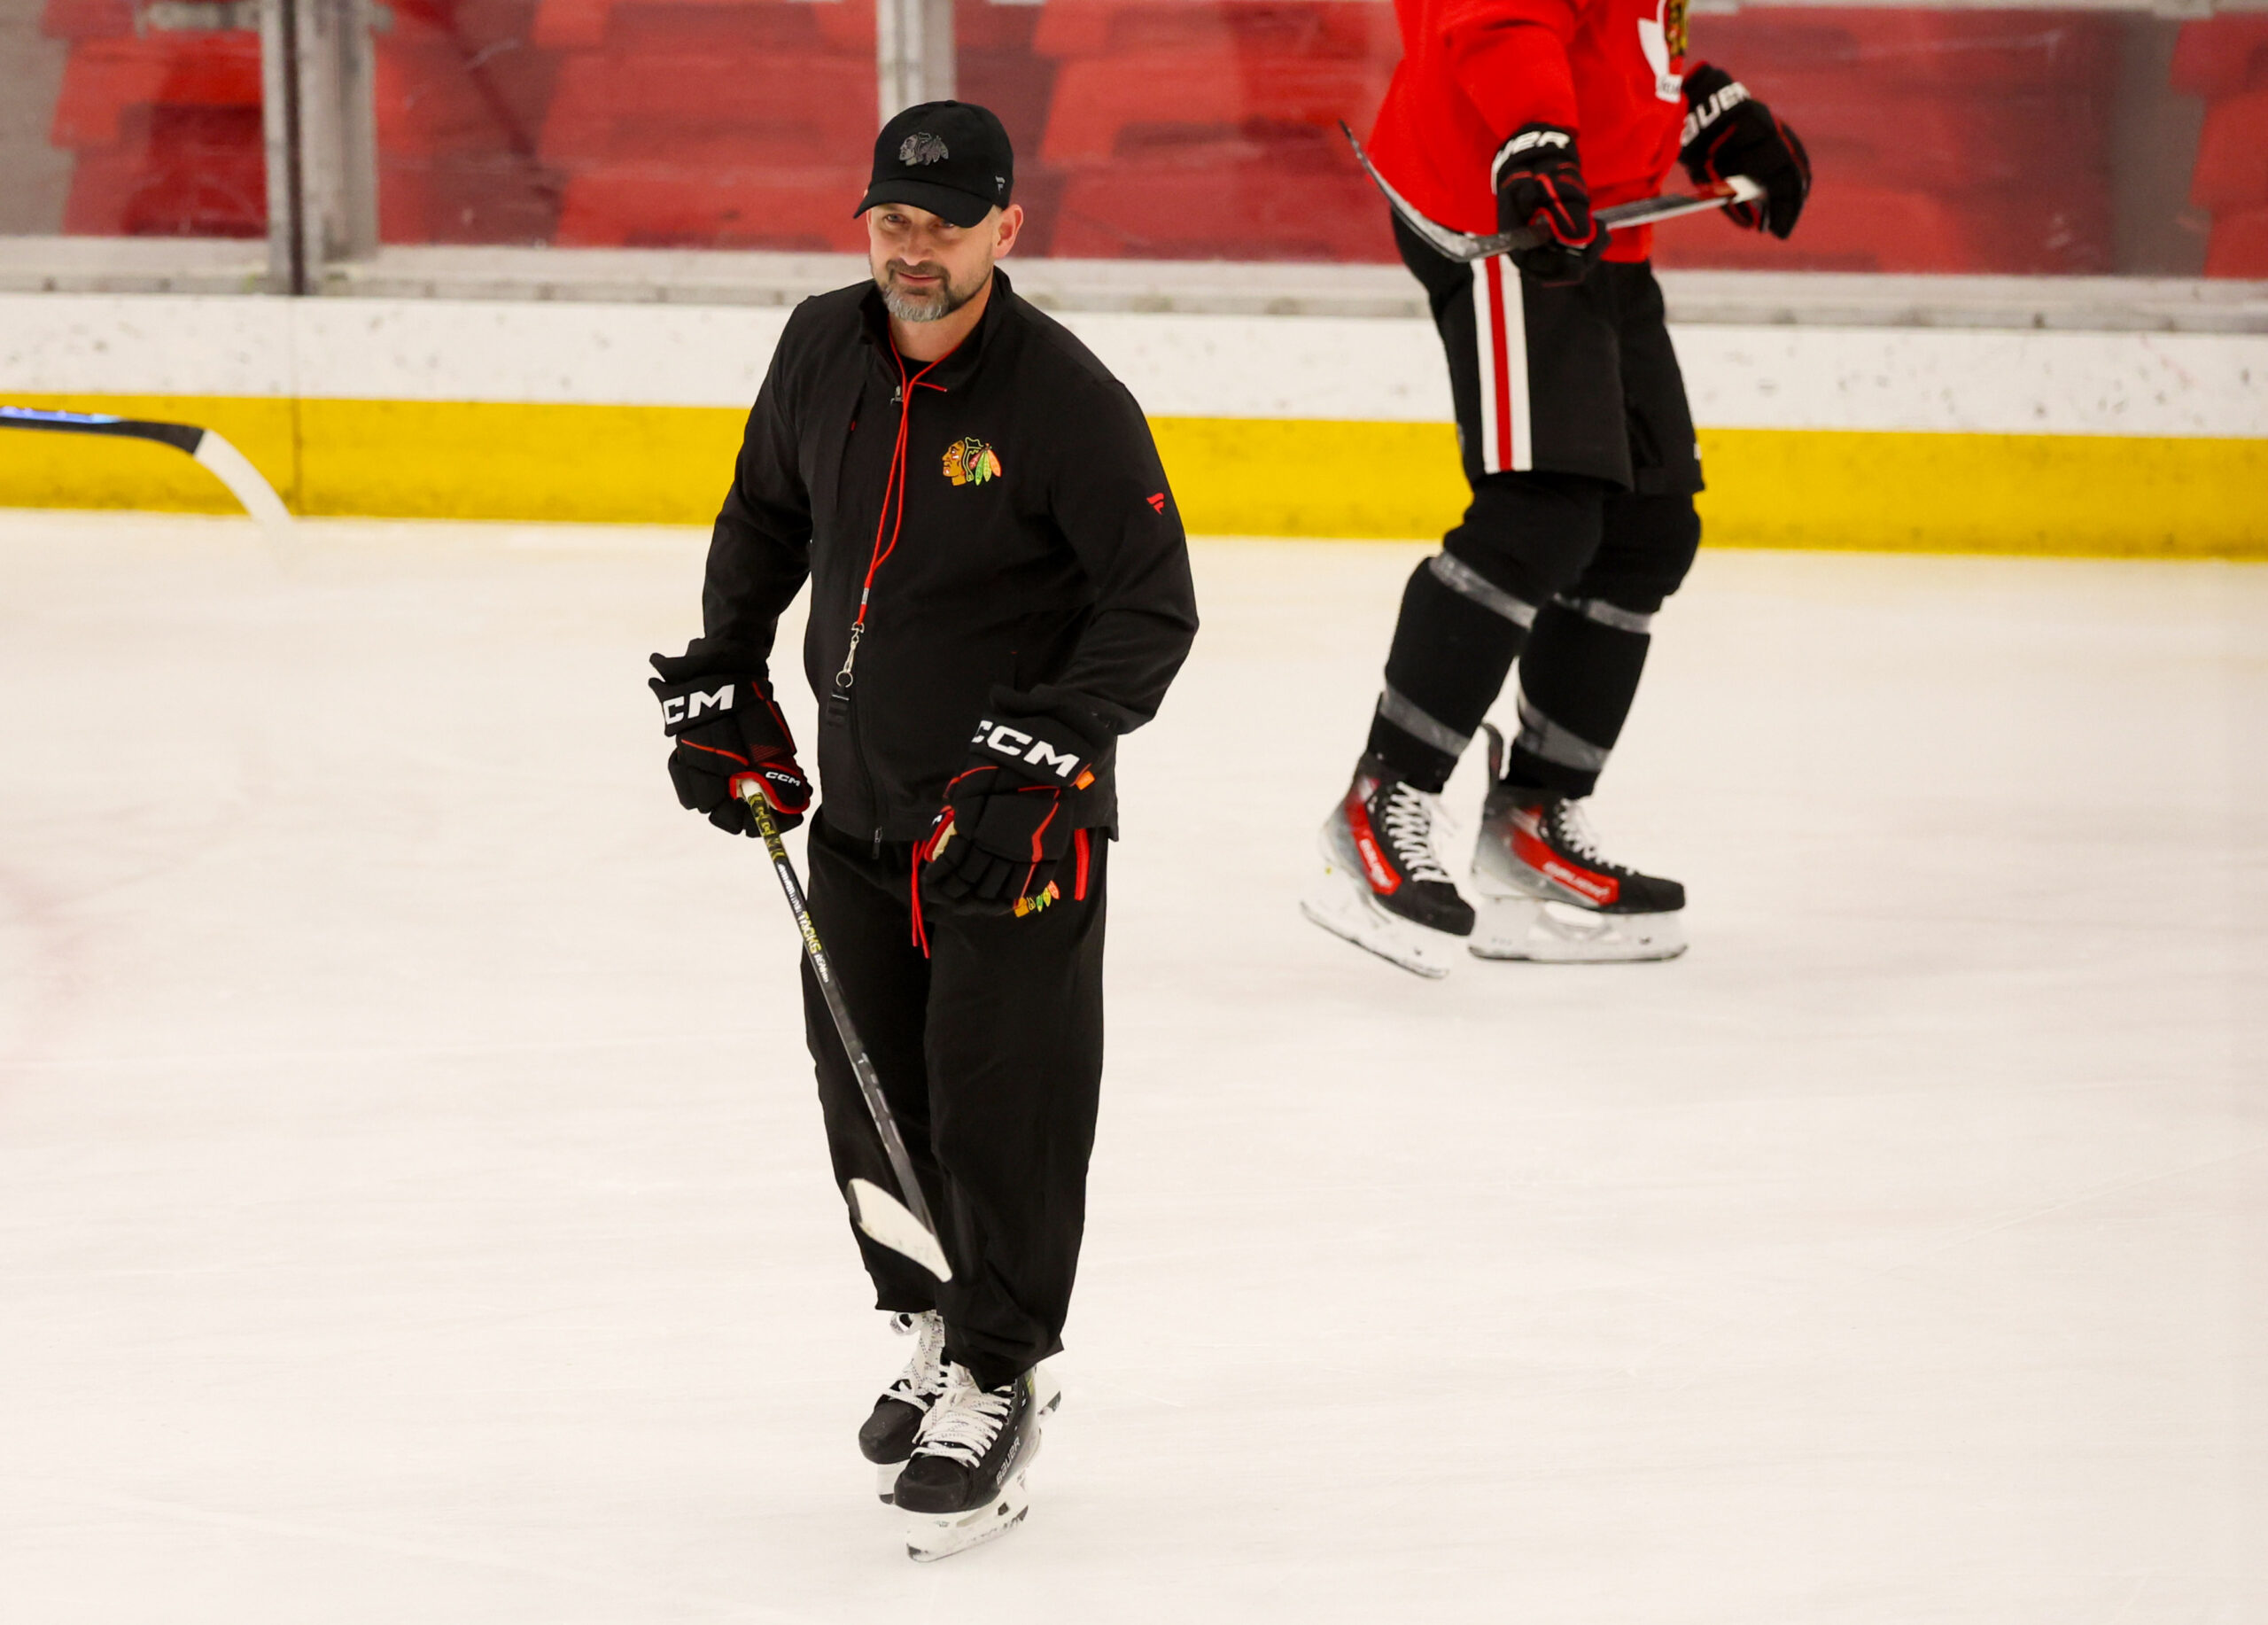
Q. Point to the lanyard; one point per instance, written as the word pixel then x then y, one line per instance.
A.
pixel 895 486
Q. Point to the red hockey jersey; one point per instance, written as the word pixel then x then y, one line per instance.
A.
pixel 1474 71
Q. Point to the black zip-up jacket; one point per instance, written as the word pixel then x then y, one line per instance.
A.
pixel 1053 564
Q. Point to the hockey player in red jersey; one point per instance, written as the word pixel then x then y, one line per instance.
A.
pixel 1577 440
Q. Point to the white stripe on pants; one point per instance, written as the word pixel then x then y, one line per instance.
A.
pixel 1500 339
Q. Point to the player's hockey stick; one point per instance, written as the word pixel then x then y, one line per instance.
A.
pixel 902 1226
pixel 1645 212
pixel 228 464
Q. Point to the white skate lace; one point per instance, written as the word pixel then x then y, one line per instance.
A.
pixel 1576 836
pixel 962 1425
pixel 1409 815
pixel 924 1376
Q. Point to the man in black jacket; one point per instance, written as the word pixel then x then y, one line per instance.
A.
pixel 999 589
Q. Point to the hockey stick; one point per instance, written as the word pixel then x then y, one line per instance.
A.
pixel 229 465
pixel 1465 245
pixel 902 1226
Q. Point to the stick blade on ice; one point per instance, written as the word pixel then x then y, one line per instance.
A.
pixel 887 1221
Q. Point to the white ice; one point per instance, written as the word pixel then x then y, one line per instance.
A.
pixel 412 1203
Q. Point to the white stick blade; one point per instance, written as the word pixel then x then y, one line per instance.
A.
pixel 248 485
pixel 887 1221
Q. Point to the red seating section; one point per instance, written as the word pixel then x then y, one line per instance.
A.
pixel 1207 128
pixel 723 124
pixel 460 102
pixel 1940 141
pixel 165 126
pixel 2225 61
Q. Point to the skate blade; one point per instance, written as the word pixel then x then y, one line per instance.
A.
pixel 1550 933
pixel 1050 1396
pixel 1339 906
pixel 931 1537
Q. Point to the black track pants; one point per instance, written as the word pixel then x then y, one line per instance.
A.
pixel 990 1054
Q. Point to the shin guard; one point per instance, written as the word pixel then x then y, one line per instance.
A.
pixel 1458 637
pixel 1577 681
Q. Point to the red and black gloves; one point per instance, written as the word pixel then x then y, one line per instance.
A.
pixel 1540 188
pixel 1727 132
pixel 728 733
pixel 1007 821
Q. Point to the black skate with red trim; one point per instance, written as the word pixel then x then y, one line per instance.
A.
pixel 1547 893
pixel 1384 886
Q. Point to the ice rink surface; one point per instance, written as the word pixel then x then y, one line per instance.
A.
pixel 412 1201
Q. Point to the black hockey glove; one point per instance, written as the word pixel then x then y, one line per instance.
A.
pixel 1006 820
pixel 1539 182
pixel 1728 132
pixel 727 733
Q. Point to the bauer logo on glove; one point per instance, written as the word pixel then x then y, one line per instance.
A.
pixel 1538 175
pixel 1727 132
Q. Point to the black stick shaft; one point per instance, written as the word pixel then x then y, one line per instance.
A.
pixel 870 1082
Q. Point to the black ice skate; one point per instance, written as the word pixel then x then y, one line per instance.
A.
pixel 1385 887
pixel 1546 892
pixel 965 1484
pixel 887 1438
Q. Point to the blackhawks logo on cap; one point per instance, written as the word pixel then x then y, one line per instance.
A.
pixel 922 147
pixel 971 463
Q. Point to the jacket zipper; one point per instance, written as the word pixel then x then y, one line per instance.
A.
pixel 895 484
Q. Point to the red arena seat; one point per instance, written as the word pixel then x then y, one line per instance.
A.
pixel 636 204
pixel 1217 121
pixel 1278 29
pixel 1247 209
pixel 709 123
pixel 1107 109
pixel 103 80
pixel 566 25
pixel 698 110
pixel 165 127
pixel 1845 228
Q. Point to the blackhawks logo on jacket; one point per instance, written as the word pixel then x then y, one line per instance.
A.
pixel 971 463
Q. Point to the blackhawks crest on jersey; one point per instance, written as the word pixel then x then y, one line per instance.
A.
pixel 971 463
pixel 1662 37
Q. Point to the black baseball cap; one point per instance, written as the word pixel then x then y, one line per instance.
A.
pixel 950 158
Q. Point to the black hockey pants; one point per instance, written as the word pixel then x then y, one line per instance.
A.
pixel 990 1051
pixel 1578 443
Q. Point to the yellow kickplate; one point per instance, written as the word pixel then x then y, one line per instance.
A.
pixel 2061 493
pixel 2073 494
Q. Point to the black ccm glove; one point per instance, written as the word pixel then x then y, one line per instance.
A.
pixel 726 733
pixel 1728 132
pixel 1540 188
pixel 1005 823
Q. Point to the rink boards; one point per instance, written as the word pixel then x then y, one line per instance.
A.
pixel 1812 437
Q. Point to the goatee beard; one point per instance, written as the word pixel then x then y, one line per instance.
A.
pixel 924 306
